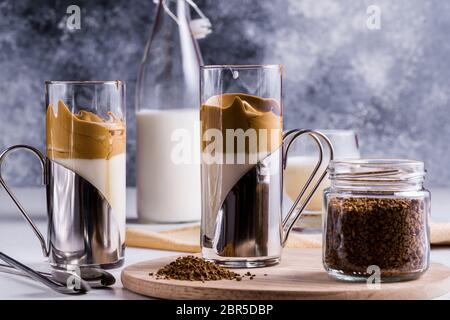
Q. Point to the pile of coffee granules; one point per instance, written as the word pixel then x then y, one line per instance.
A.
pixel 197 269
pixel 390 233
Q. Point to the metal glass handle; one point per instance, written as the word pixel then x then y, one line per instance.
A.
pixel 288 138
pixel 37 153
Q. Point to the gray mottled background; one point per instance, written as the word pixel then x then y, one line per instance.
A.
pixel 391 85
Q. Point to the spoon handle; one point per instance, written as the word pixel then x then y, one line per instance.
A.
pixel 21 268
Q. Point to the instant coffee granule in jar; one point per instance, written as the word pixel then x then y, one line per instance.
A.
pixel 376 219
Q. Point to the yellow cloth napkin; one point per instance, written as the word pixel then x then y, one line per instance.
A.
pixel 186 239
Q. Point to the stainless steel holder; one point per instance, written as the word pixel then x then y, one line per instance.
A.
pixel 82 229
pixel 247 230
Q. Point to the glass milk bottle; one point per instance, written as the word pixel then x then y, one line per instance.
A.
pixel 167 115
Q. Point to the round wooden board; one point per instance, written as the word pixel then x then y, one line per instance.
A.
pixel 300 275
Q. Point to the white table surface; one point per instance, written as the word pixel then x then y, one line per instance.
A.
pixel 18 241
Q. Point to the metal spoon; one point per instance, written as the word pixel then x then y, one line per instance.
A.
pixel 21 269
pixel 96 278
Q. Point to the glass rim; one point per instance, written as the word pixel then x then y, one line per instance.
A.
pixel 376 169
pixel 241 66
pixel 81 82
pixel 379 162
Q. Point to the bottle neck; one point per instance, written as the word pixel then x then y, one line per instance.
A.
pixel 176 10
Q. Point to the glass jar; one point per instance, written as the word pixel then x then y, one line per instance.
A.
pixel 376 220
